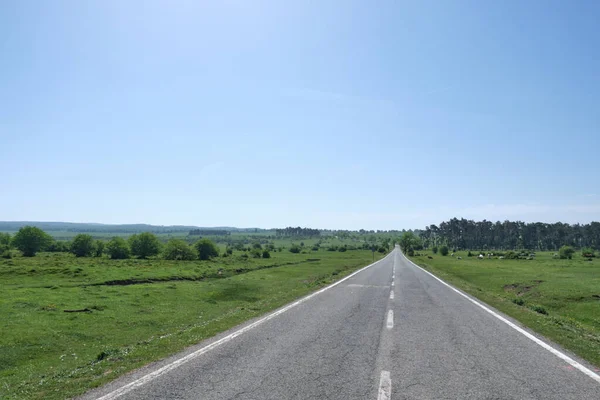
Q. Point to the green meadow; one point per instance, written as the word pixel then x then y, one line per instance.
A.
pixel 70 324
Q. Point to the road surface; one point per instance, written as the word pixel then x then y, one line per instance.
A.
pixel 391 331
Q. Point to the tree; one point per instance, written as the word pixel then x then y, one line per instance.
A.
pixel 566 252
pixel 4 242
pixel 144 245
pixel 99 250
pixel 434 249
pixel 117 248
pixel 206 249
pixel 177 249
pixel 408 241
pixel 444 250
pixel 266 254
pixel 82 245
pixel 30 240
pixel 295 249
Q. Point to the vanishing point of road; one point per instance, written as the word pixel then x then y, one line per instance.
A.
pixel 389 331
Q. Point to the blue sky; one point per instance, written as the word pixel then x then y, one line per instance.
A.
pixel 330 114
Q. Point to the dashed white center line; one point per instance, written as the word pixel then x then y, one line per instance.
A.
pixel 392 283
pixel 385 386
pixel 390 319
pixel 392 295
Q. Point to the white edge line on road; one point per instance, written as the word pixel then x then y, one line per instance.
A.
pixel 385 386
pixel 390 319
pixel 522 331
pixel 392 295
pixel 169 367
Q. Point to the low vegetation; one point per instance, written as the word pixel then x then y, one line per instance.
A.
pixel 558 297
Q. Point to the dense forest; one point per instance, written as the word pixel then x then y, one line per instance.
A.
pixel 467 234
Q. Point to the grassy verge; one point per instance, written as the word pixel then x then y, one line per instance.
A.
pixel 138 311
pixel 559 299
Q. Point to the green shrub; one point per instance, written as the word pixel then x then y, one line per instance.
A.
pixel 539 309
pixel 256 253
pixel 4 240
pixel 99 248
pixel 469 254
pixel 434 249
pixel 444 250
pixel 82 245
pixel 206 249
pixel 144 245
pixel 30 240
pixel 332 248
pixel 295 249
pixel 566 252
pixel 342 249
pixel 587 252
pixel 117 248
pixel 266 254
pixel 180 250
pixel 518 301
pixel 257 246
pixel 411 252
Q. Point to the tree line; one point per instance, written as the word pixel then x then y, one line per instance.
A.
pixel 31 240
pixel 297 232
pixel 463 234
pixel 208 232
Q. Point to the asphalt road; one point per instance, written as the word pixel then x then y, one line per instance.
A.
pixel 354 341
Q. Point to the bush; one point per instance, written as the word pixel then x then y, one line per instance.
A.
pixel 4 240
pixel 59 246
pixel 229 251
pixel 82 245
pixel 587 252
pixel 382 249
pixel 342 249
pixel 518 301
pixel 444 250
pixel 469 254
pixel 257 246
pixel 177 249
pixel 566 252
pixel 332 248
pixel 256 253
pixel 30 240
pixel 539 309
pixel 511 255
pixel 144 245
pixel 295 249
pixel 266 254
pixel 315 248
pixel 434 249
pixel 99 248
pixel 117 248
pixel 206 249
pixel 411 252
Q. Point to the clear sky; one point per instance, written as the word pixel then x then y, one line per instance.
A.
pixel 328 114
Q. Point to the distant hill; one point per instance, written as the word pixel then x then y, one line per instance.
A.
pixel 13 226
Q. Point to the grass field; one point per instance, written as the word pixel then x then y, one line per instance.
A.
pixel 559 299
pixel 138 311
